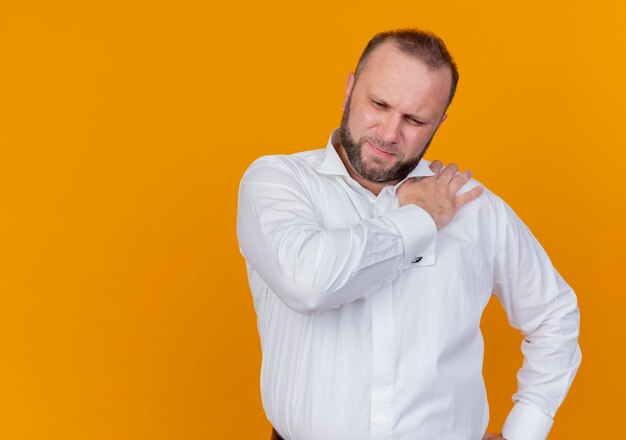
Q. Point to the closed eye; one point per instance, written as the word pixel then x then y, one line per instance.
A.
pixel 414 121
pixel 379 105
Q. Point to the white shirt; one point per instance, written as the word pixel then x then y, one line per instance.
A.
pixel 369 317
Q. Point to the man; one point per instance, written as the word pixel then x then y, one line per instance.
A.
pixel 370 270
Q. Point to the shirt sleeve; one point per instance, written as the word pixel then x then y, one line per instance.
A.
pixel 312 268
pixel 540 303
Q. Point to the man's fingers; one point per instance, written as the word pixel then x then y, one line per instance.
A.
pixel 468 196
pixel 448 172
pixel 436 166
pixel 459 180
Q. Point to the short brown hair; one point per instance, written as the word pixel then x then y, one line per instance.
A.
pixel 425 46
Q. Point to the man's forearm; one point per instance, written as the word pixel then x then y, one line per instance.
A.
pixel 311 268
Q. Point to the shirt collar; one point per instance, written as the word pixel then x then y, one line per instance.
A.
pixel 333 165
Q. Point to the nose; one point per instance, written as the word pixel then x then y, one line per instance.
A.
pixel 389 128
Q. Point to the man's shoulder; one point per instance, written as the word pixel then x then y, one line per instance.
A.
pixel 303 161
pixel 488 204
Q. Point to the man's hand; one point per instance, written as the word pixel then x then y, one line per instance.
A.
pixel 493 437
pixel 437 194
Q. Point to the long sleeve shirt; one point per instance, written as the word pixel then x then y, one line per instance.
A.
pixel 369 316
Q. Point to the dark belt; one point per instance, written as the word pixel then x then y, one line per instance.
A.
pixel 276 436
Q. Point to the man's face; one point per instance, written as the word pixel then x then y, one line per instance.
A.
pixel 391 113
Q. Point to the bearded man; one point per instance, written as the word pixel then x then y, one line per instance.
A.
pixel 370 268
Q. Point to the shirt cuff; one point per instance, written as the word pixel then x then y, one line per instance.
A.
pixel 525 422
pixel 419 234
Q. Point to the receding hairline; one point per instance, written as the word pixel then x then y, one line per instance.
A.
pixel 421 45
pixel 430 64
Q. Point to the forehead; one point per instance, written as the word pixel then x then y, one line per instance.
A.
pixel 404 79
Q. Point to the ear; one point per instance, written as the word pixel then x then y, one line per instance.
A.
pixel 443 118
pixel 349 85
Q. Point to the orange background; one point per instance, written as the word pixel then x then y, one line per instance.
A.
pixel 125 127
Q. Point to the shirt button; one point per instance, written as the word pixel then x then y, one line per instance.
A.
pixel 416 260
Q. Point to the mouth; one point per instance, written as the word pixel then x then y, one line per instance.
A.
pixel 378 152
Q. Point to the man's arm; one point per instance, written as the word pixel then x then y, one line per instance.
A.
pixel 540 303
pixel 312 268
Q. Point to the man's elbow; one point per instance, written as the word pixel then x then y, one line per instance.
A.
pixel 304 298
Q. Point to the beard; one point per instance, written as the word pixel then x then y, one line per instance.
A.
pixel 374 172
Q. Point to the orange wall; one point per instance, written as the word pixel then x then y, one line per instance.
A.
pixel 125 127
